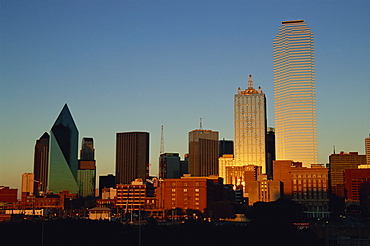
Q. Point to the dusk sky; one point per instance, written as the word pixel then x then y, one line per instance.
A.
pixel 136 65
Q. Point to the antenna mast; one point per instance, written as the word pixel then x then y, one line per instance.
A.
pixel 161 151
pixel 200 124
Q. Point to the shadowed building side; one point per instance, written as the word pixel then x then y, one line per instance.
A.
pixel 41 163
pixel 132 156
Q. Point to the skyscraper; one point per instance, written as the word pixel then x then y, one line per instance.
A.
pixel 367 151
pixel 63 153
pixel 250 127
pixel 294 93
pixel 87 169
pixel 132 156
pixel 41 163
pixel 27 183
pixel 170 166
pixel 203 153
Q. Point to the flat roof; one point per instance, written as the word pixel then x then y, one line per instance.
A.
pixel 292 21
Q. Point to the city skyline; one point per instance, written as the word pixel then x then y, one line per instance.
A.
pixel 145 65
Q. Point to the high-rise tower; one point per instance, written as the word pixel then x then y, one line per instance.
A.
pixel 63 153
pixel 294 93
pixel 203 152
pixel 87 168
pixel 250 127
pixel 41 163
pixel 132 156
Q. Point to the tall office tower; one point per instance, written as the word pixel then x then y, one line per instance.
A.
pixel 27 183
pixel 294 93
pixel 132 156
pixel 250 127
pixel 337 164
pixel 170 166
pixel 203 153
pixel 87 169
pixel 367 151
pixel 63 154
pixel 41 163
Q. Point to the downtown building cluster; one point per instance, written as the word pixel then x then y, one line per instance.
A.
pixel 261 164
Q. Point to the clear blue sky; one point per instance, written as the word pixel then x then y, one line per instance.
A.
pixel 137 65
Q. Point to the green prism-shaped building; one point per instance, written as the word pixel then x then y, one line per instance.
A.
pixel 63 154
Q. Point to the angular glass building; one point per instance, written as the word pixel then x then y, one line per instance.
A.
pixel 63 154
pixel 250 127
pixel 294 93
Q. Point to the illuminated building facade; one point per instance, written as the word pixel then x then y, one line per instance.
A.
pixel 132 156
pixel 294 93
pixel 203 153
pixel 264 191
pixel 134 196
pixel 63 154
pixel 27 183
pixel 41 163
pixel 307 186
pixel 190 192
pixel 367 150
pixel 250 127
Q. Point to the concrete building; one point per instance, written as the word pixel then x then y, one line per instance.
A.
pixel 367 151
pixel 203 153
pixel 28 183
pixel 137 195
pixel 132 156
pixel 307 186
pixel 250 127
pixel 337 164
pixel 294 93
pixel 354 180
pixel 227 160
pixel 264 191
pixel 240 176
pixel 7 194
pixel 189 192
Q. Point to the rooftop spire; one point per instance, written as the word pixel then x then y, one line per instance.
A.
pixel 250 82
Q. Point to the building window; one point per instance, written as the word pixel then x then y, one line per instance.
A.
pixel 173 184
pixel 196 183
pixel 185 184
pixel 196 190
pixel 173 190
pixel 185 190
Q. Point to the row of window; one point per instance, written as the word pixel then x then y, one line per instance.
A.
pixel 184 184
